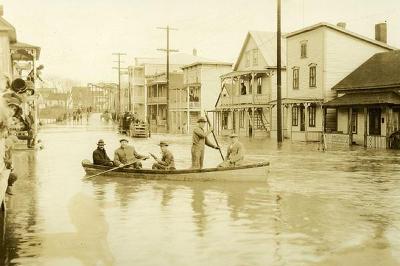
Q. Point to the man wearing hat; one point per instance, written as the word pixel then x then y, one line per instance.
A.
pixel 100 156
pixel 235 153
pixel 167 159
pixel 127 154
pixel 199 140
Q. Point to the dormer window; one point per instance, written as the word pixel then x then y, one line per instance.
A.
pixel 247 55
pixel 255 57
pixel 303 49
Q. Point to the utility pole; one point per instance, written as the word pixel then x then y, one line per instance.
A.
pixel 167 74
pixel 119 79
pixel 279 78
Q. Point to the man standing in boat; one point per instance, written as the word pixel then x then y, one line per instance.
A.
pixel 235 154
pixel 199 140
pixel 127 155
pixel 167 160
pixel 100 156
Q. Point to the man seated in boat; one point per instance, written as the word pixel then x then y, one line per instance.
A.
pixel 100 156
pixel 167 159
pixel 235 154
pixel 127 155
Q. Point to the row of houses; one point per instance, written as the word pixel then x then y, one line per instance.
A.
pixel 338 86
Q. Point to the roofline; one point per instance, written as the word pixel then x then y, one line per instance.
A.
pixel 207 63
pixel 342 30
pixel 393 86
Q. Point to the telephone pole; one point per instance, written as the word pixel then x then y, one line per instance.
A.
pixel 167 74
pixel 279 78
pixel 119 79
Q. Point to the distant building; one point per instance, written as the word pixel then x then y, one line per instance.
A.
pixel 368 106
pixel 144 67
pixel 318 57
pixel 245 103
pixel 52 104
pixel 200 90
pixel 157 104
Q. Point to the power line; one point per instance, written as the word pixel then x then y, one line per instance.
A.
pixel 167 50
pixel 119 79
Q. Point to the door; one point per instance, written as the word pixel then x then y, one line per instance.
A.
pixel 374 121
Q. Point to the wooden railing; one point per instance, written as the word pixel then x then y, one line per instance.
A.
pixel 160 100
pixel 245 99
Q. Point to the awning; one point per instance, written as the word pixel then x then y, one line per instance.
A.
pixel 370 98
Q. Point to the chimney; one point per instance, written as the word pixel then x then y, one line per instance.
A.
pixel 381 32
pixel 194 51
pixel 341 25
pixel 1 11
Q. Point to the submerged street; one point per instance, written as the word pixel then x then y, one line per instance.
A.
pixel 317 208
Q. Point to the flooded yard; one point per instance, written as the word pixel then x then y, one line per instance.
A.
pixel 318 208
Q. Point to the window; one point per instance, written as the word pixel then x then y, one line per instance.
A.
pixel 312 111
pixel 259 85
pixel 354 121
pixel 295 78
pixel 241 119
pixel 247 55
pixel 313 76
pixel 303 49
pixel 295 116
pixel 255 57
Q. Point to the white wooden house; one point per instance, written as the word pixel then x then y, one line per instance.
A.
pixel 245 104
pixel 318 57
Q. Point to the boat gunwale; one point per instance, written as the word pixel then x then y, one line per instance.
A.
pixel 179 171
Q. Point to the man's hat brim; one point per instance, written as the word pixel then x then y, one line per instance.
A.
pixel 121 140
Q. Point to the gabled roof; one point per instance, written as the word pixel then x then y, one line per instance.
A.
pixel 266 43
pixel 357 99
pixel 6 26
pixel 342 30
pixel 382 70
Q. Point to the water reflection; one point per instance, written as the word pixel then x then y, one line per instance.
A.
pixel 331 208
pixel 88 243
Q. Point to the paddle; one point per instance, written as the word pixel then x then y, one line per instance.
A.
pixel 215 138
pixel 112 169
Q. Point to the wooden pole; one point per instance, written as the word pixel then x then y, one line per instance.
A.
pixel 279 78
pixel 215 138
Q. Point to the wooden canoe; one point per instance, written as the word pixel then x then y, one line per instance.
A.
pixel 254 172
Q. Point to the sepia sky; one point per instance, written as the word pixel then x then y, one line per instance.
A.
pixel 78 37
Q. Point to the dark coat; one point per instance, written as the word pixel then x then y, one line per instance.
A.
pixel 100 157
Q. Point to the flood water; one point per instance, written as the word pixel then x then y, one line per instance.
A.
pixel 318 208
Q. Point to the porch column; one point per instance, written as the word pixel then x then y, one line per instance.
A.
pixel 188 112
pixel 324 112
pixel 349 126
pixel 365 126
pixel 253 128
pixel 306 120
pixel 388 113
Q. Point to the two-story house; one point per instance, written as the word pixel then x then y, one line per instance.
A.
pixel 158 103
pixel 142 71
pixel 318 57
pixel 201 81
pixel 246 101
